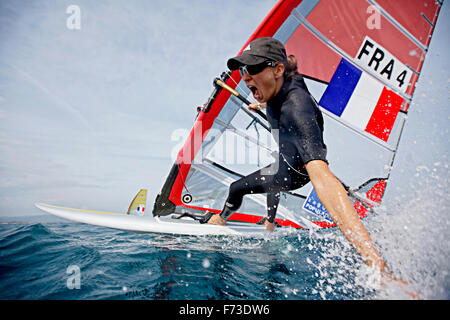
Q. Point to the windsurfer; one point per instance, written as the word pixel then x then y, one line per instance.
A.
pixel 296 124
pixel 273 79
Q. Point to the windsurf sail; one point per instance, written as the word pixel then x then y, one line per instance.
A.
pixel 137 206
pixel 361 60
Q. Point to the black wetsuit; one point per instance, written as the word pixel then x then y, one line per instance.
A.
pixel 297 126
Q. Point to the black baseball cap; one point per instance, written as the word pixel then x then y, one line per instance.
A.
pixel 258 51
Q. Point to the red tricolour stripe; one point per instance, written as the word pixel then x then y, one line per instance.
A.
pixel 384 114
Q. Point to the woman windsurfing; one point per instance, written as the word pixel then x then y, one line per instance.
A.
pixel 297 126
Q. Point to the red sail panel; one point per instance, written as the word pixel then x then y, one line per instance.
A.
pixel 344 22
pixel 315 58
pixel 411 15
pixel 377 191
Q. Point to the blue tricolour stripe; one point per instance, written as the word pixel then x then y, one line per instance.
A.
pixel 340 88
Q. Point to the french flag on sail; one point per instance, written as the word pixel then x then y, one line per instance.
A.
pixel 140 208
pixel 361 100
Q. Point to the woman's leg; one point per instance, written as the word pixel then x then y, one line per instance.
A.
pixel 273 199
pixel 266 180
pixel 254 183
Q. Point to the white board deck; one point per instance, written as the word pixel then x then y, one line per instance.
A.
pixel 150 224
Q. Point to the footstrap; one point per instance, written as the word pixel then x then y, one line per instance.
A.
pixel 263 220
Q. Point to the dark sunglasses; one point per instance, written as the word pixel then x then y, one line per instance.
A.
pixel 257 68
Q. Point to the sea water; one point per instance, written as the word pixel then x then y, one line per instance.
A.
pixel 66 260
pixel 38 261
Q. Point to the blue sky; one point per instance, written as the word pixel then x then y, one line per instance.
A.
pixel 86 116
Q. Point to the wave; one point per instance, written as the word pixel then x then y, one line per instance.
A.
pixel 34 260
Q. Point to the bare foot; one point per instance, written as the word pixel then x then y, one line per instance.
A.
pixel 217 220
pixel 269 226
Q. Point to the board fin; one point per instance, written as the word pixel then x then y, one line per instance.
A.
pixel 139 202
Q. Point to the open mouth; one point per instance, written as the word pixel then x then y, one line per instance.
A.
pixel 254 91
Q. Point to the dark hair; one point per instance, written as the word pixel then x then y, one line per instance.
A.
pixel 290 67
